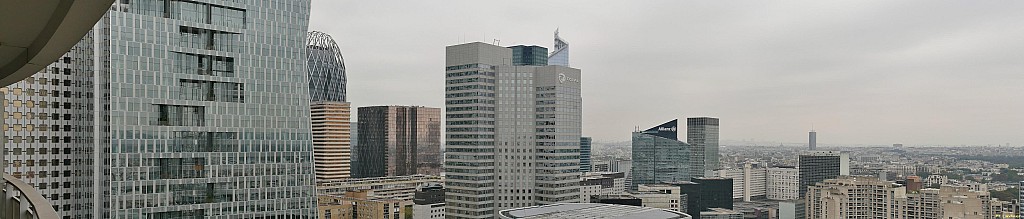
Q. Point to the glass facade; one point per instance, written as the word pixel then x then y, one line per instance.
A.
pixel 561 54
pixel 702 135
pixel 529 55
pixel 658 157
pixel 327 81
pixel 585 147
pixel 208 109
pixel 398 141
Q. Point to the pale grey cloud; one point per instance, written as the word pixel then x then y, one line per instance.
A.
pixel 872 72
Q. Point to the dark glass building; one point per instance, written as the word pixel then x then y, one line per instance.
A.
pixel 585 143
pixel 658 156
pixel 398 141
pixel 703 193
pixel 529 55
pixel 818 166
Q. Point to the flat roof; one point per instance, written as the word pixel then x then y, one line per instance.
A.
pixel 591 210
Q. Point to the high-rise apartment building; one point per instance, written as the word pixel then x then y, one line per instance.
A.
pixel 398 141
pixel 854 197
pixel 585 147
pixel 812 140
pixel 658 156
pixel 208 114
pixel 47 123
pixel 702 135
pixel 818 166
pixel 560 56
pixel 529 55
pixel 329 113
pixel 513 132
pixel 783 183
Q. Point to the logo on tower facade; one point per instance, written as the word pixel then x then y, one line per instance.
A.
pixel 562 79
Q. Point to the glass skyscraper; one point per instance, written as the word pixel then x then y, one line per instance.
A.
pixel 327 80
pixel 817 166
pixel 398 141
pixel 702 135
pixel 585 148
pixel 529 55
pixel 658 156
pixel 208 109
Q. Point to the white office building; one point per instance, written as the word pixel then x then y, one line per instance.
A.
pixel 513 132
pixel 783 183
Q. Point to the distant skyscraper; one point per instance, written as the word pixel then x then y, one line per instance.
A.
pixel 330 114
pixel 702 135
pixel 327 80
pixel 812 140
pixel 513 132
pixel 398 141
pixel 585 154
pixel 658 156
pixel 818 166
pixel 529 55
pixel 561 54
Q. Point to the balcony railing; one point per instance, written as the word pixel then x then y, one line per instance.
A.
pixel 22 201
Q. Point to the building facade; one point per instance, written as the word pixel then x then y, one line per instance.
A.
pixel 46 123
pixel 703 193
pixel 529 55
pixel 513 132
pixel 601 183
pixel 585 147
pixel 747 182
pixel 702 136
pixel 560 56
pixel 332 150
pixel 658 156
pixel 208 109
pixel 359 205
pixel 783 183
pixel 394 187
pixel 818 166
pixel 398 141
pixel 869 197
pixel 326 66
pixel 812 140
pixel 429 202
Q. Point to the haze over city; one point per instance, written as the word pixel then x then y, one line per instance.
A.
pixel 860 72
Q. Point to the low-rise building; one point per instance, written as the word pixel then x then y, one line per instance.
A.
pixel 428 202
pixel 394 187
pixel 590 210
pixel 720 213
pixel 359 205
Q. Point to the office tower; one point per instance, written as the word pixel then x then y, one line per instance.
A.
pixel 47 120
pixel 429 202
pixel 748 182
pixel 208 109
pixel 702 135
pixel 703 193
pixel 529 55
pixel 590 210
pixel 812 140
pixel 560 56
pixel 585 148
pixel 658 156
pixel 331 134
pixel 330 114
pixel 327 79
pixel 783 183
pixel 398 141
pixel 846 197
pixel 818 166
pixel 513 132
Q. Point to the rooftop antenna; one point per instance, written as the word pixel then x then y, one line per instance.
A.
pixel 497 42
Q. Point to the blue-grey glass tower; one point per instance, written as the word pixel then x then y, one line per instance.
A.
pixel 208 109
pixel 659 156
pixel 585 148
pixel 529 55
pixel 327 81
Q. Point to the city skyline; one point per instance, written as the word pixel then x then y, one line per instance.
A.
pixel 783 65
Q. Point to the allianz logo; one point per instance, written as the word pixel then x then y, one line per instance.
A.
pixel 667 129
pixel 562 79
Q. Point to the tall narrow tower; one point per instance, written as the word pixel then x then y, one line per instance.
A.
pixel 329 113
pixel 702 135
pixel 812 140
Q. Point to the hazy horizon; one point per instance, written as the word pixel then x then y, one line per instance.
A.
pixel 860 72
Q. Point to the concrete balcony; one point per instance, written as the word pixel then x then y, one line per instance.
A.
pixel 22 201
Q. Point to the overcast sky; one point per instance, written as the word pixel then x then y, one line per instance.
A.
pixel 862 72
